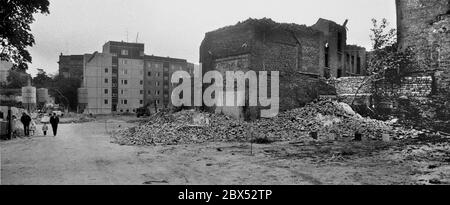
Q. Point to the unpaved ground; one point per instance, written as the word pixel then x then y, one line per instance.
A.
pixel 82 154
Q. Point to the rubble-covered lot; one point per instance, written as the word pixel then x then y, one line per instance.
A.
pixel 331 120
pixel 386 153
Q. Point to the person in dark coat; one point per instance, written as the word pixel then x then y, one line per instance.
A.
pixel 26 119
pixel 54 120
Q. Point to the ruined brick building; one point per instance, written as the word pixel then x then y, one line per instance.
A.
pixel 424 25
pixel 303 55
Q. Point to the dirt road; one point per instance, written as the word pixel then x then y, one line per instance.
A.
pixel 82 154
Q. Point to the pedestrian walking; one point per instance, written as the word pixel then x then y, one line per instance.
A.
pixel 44 129
pixel 54 120
pixel 26 119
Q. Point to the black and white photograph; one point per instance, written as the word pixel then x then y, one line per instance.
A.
pixel 236 92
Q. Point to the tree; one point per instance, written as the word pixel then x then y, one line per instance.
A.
pixel 15 19
pixel 386 62
pixel 65 91
pixel 42 80
pixel 17 79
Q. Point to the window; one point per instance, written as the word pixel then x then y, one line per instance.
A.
pixel 124 62
pixel 157 102
pixel 148 92
pixel 339 43
pixel 141 82
pixel 125 102
pixel 157 74
pixel 157 92
pixel 141 102
pixel 124 71
pixel 106 102
pixel 121 92
pixel 106 70
pixel 149 74
pixel 141 92
pixel 106 91
pixel 358 65
pixel 126 82
pixel 327 50
pixel 106 80
pixel 125 52
pixel 353 64
pixel 157 83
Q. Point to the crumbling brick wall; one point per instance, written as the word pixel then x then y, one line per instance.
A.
pixel 424 25
pixel 411 87
pixel 351 85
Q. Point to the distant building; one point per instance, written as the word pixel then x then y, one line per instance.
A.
pixel 94 96
pixel 71 66
pixel 127 75
pixel 122 78
pixel 157 85
pixel 355 61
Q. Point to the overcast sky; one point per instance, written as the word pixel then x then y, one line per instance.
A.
pixel 176 28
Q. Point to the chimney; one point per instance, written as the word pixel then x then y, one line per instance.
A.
pixel 345 23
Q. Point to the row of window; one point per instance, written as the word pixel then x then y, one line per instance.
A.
pixel 157 92
pixel 125 71
pixel 129 62
pixel 122 91
pixel 124 82
pixel 123 102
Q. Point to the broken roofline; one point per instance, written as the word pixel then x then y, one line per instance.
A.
pixel 270 25
pixel 258 93
pixel 273 25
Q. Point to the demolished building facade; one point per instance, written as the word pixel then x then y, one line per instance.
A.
pixel 305 56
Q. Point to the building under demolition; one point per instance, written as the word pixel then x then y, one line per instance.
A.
pixel 303 55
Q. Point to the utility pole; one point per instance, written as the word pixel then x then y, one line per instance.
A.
pixel 9 122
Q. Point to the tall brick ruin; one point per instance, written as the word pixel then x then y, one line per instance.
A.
pixel 304 55
pixel 424 25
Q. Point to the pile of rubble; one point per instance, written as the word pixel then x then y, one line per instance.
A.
pixel 329 119
pixel 183 127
